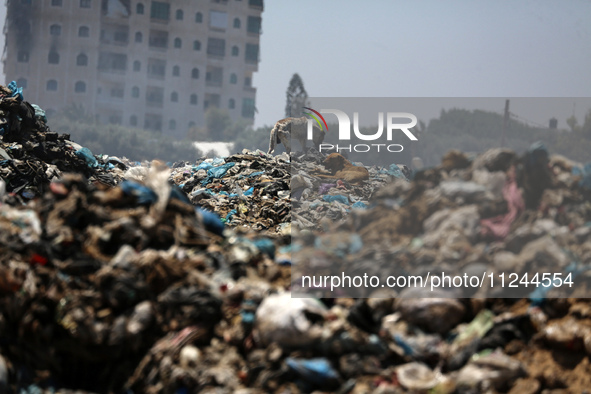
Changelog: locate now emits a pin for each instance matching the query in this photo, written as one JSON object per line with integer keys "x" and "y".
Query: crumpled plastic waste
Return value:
{"x": 289, "y": 322}
{"x": 217, "y": 172}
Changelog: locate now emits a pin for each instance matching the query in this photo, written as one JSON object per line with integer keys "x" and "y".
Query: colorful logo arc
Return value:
{"x": 316, "y": 119}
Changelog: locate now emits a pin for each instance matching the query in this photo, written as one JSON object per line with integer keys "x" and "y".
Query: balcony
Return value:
{"x": 256, "y": 4}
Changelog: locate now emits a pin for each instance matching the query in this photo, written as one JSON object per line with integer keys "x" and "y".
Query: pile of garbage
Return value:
{"x": 32, "y": 155}
{"x": 254, "y": 189}
{"x": 249, "y": 189}
{"x": 501, "y": 214}
{"x": 316, "y": 199}
{"x": 180, "y": 279}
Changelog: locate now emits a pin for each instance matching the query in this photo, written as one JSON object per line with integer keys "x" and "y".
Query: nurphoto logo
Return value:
{"x": 344, "y": 123}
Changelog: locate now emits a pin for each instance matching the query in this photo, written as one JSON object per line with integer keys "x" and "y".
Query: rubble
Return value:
{"x": 117, "y": 277}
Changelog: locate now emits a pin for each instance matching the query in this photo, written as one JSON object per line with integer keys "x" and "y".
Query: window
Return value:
{"x": 112, "y": 62}
{"x": 55, "y": 30}
{"x": 253, "y": 25}
{"x": 22, "y": 82}
{"x": 83, "y": 31}
{"x": 195, "y": 73}
{"x": 138, "y": 37}
{"x": 115, "y": 119}
{"x": 172, "y": 124}
{"x": 255, "y": 3}
{"x": 135, "y": 92}
{"x": 22, "y": 57}
{"x": 80, "y": 87}
{"x": 235, "y": 50}
{"x": 51, "y": 85}
{"x": 137, "y": 66}
{"x": 120, "y": 36}
{"x": 177, "y": 42}
{"x": 236, "y": 23}
{"x": 53, "y": 58}
{"x": 153, "y": 122}
{"x": 158, "y": 39}
{"x": 84, "y": 3}
{"x": 211, "y": 100}
{"x": 82, "y": 60}
{"x": 214, "y": 76}
{"x": 160, "y": 10}
{"x": 233, "y": 79}
{"x": 179, "y": 15}
{"x": 176, "y": 71}
{"x": 218, "y": 20}
{"x": 231, "y": 104}
{"x": 56, "y": 3}
{"x": 252, "y": 53}
{"x": 196, "y": 45}
{"x": 193, "y": 99}
{"x": 133, "y": 120}
{"x": 174, "y": 97}
{"x": 216, "y": 47}
{"x": 154, "y": 96}
{"x": 247, "y": 82}
{"x": 248, "y": 108}
{"x": 156, "y": 68}
{"x": 117, "y": 92}
{"x": 198, "y": 17}
{"x": 139, "y": 9}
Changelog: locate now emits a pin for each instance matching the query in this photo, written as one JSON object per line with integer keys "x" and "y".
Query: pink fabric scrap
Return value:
{"x": 499, "y": 226}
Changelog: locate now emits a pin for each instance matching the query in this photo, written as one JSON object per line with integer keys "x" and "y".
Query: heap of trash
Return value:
{"x": 32, "y": 155}
{"x": 119, "y": 277}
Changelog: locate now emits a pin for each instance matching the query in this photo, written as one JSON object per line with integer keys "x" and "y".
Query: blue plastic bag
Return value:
{"x": 217, "y": 172}
{"x": 177, "y": 193}
{"x": 359, "y": 205}
{"x": 39, "y": 113}
{"x": 339, "y": 197}
{"x": 395, "y": 171}
{"x": 211, "y": 221}
{"x": 143, "y": 194}
{"x": 15, "y": 90}
{"x": 231, "y": 214}
{"x": 266, "y": 246}
{"x": 203, "y": 166}
{"x": 86, "y": 154}
{"x": 317, "y": 371}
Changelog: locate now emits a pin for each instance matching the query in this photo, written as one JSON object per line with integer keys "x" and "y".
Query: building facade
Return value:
{"x": 157, "y": 65}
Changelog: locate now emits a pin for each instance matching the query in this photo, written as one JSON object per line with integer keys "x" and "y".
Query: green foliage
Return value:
{"x": 217, "y": 121}
{"x": 477, "y": 131}
{"x": 219, "y": 127}
{"x": 135, "y": 144}
{"x": 297, "y": 97}
{"x": 253, "y": 139}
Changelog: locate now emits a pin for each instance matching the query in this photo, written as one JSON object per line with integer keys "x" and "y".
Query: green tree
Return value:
{"x": 217, "y": 121}
{"x": 114, "y": 140}
{"x": 297, "y": 97}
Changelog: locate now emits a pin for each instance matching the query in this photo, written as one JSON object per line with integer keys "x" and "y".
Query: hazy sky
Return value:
{"x": 424, "y": 48}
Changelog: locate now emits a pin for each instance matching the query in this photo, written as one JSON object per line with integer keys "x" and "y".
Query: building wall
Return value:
{"x": 109, "y": 85}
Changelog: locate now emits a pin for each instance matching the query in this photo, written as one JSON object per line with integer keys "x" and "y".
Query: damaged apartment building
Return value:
{"x": 157, "y": 65}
